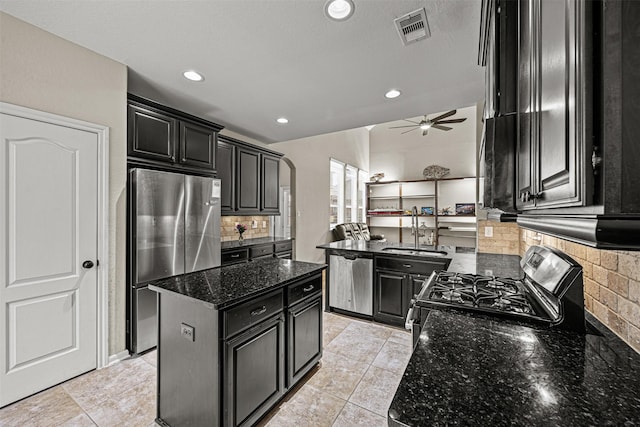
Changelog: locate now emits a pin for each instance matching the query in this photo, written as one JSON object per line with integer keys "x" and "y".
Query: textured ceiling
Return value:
{"x": 263, "y": 59}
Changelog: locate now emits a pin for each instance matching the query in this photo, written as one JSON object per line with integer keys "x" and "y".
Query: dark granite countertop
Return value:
{"x": 225, "y": 286}
{"x": 463, "y": 260}
{"x": 246, "y": 243}
{"x": 470, "y": 369}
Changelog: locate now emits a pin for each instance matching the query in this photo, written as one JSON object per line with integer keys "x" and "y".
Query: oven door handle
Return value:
{"x": 408, "y": 323}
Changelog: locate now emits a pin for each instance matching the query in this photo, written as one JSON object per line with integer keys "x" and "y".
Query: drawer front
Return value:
{"x": 245, "y": 315}
{"x": 258, "y": 251}
{"x": 283, "y": 246}
{"x": 304, "y": 289}
{"x": 231, "y": 257}
{"x": 408, "y": 265}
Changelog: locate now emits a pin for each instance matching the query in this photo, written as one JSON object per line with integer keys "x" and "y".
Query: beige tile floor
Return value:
{"x": 353, "y": 385}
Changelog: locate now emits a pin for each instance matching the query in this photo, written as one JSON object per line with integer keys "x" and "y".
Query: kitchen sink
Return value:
{"x": 415, "y": 251}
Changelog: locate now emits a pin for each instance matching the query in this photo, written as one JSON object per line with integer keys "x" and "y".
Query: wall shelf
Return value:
{"x": 400, "y": 196}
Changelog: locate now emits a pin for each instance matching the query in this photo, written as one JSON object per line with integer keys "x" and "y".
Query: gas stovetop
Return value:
{"x": 550, "y": 291}
{"x": 482, "y": 293}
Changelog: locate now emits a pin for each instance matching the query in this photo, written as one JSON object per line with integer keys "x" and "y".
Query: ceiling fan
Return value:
{"x": 435, "y": 123}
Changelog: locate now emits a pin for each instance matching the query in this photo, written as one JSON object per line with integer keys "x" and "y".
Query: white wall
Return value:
{"x": 403, "y": 157}
{"x": 44, "y": 72}
{"x": 311, "y": 158}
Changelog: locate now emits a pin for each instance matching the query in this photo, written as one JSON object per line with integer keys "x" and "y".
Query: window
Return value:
{"x": 336, "y": 194}
{"x": 363, "y": 177}
{"x": 346, "y": 194}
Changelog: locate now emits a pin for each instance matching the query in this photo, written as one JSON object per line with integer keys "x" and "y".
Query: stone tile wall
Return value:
{"x": 611, "y": 278}
{"x": 228, "y": 227}
{"x": 611, "y": 283}
{"x": 505, "y": 240}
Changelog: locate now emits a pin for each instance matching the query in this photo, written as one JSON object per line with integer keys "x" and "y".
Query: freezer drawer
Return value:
{"x": 351, "y": 283}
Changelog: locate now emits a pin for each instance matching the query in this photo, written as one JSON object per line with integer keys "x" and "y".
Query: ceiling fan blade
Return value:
{"x": 452, "y": 121}
{"x": 398, "y": 127}
{"x": 441, "y": 127}
{"x": 411, "y": 121}
{"x": 445, "y": 115}
{"x": 407, "y": 131}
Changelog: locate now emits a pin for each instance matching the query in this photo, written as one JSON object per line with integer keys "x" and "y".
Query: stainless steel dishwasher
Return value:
{"x": 351, "y": 282}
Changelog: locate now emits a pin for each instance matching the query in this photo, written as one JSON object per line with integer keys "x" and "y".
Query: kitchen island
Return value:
{"x": 474, "y": 369}
{"x": 233, "y": 340}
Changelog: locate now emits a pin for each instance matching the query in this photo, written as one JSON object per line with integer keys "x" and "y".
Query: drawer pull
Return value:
{"x": 308, "y": 289}
{"x": 259, "y": 311}
{"x": 407, "y": 265}
{"x": 235, "y": 256}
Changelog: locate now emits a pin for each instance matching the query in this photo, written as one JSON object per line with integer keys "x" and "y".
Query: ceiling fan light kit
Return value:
{"x": 436, "y": 123}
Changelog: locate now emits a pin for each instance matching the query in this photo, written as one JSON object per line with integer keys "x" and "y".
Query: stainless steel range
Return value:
{"x": 549, "y": 293}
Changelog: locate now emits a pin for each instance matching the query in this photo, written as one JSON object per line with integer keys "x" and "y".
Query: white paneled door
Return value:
{"x": 48, "y": 238}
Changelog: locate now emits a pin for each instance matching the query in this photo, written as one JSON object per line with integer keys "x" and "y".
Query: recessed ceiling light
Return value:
{"x": 282, "y": 120}
{"x": 339, "y": 10}
{"x": 393, "y": 93}
{"x": 193, "y": 76}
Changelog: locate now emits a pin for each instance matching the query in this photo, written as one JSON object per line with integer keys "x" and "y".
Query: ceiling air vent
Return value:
{"x": 413, "y": 26}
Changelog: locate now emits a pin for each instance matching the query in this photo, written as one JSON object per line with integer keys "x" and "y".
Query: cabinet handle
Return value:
{"x": 259, "y": 311}
{"x": 407, "y": 265}
{"x": 308, "y": 289}
{"x": 235, "y": 256}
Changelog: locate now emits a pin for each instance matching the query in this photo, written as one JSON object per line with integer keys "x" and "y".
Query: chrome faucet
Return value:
{"x": 414, "y": 226}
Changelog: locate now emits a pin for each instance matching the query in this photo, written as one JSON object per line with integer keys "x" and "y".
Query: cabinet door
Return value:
{"x": 270, "y": 184}
{"x": 254, "y": 372}
{"x": 151, "y": 134}
{"x": 305, "y": 338}
{"x": 225, "y": 168}
{"x": 390, "y": 298}
{"x": 557, "y": 180}
{"x": 197, "y": 145}
{"x": 248, "y": 180}
{"x": 524, "y": 186}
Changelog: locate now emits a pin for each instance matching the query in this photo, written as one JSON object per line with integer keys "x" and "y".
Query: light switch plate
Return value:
{"x": 188, "y": 332}
{"x": 488, "y": 232}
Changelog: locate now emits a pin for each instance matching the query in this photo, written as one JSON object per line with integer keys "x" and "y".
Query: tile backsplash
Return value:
{"x": 611, "y": 278}
{"x": 228, "y": 227}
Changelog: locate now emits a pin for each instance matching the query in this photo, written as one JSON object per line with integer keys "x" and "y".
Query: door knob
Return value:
{"x": 87, "y": 264}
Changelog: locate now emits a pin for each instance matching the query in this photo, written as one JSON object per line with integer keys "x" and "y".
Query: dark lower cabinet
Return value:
{"x": 305, "y": 338}
{"x": 394, "y": 291}
{"x": 391, "y": 297}
{"x": 254, "y": 380}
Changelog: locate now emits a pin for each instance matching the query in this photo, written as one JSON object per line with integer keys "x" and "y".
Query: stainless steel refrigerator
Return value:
{"x": 174, "y": 228}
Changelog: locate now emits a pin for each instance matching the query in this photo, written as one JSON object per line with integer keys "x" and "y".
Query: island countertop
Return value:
{"x": 225, "y": 286}
{"x": 473, "y": 369}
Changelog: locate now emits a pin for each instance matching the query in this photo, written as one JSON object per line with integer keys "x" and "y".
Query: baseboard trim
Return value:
{"x": 118, "y": 357}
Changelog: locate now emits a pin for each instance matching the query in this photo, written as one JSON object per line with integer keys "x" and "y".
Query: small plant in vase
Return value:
{"x": 241, "y": 228}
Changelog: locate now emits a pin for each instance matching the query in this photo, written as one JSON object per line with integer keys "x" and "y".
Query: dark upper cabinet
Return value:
{"x": 151, "y": 134}
{"x": 248, "y": 186}
{"x": 499, "y": 54}
{"x": 197, "y": 145}
{"x": 250, "y": 177}
{"x": 269, "y": 184}
{"x": 226, "y": 169}
{"x": 554, "y": 104}
{"x": 159, "y": 136}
